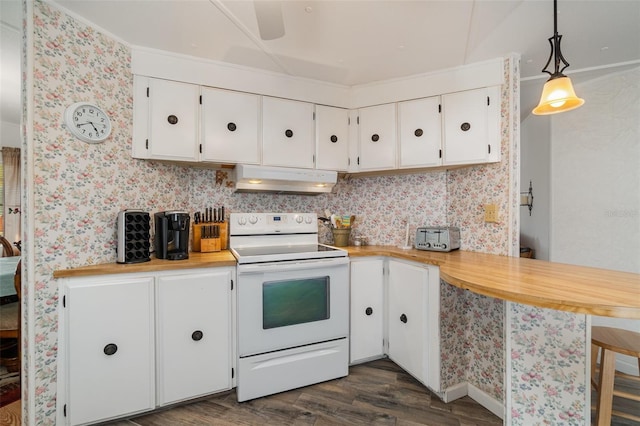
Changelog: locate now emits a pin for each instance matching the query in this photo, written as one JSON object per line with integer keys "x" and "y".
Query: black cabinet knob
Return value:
{"x": 334, "y": 138}
{"x": 403, "y": 318}
{"x": 110, "y": 349}
{"x": 368, "y": 311}
{"x": 172, "y": 119}
{"x": 418, "y": 132}
{"x": 375, "y": 137}
{"x": 232, "y": 127}
{"x": 288, "y": 133}
{"x": 465, "y": 126}
{"x": 196, "y": 335}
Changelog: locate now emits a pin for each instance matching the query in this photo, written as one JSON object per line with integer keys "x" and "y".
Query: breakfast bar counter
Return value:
{"x": 571, "y": 288}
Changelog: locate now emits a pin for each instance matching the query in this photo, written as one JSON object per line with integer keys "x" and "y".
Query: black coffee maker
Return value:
{"x": 172, "y": 235}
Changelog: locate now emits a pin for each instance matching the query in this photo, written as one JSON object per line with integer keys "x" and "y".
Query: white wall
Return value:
{"x": 535, "y": 133}
{"x": 595, "y": 181}
{"x": 9, "y": 134}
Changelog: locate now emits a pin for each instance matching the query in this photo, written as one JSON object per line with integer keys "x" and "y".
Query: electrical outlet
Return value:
{"x": 490, "y": 213}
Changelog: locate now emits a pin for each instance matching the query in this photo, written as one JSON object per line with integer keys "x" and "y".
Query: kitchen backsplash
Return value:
{"x": 77, "y": 189}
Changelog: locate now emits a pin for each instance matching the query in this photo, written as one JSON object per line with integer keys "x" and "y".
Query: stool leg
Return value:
{"x": 594, "y": 360}
{"x": 605, "y": 386}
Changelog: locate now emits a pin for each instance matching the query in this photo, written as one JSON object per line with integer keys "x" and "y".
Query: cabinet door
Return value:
{"x": 110, "y": 348}
{"x": 230, "y": 131}
{"x": 420, "y": 133}
{"x": 173, "y": 118}
{"x": 377, "y": 150}
{"x": 332, "y": 138}
{"x": 407, "y": 297}
{"x": 366, "y": 310}
{"x": 471, "y": 126}
{"x": 287, "y": 133}
{"x": 194, "y": 335}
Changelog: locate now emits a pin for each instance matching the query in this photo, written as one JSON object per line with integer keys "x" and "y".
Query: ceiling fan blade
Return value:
{"x": 269, "y": 16}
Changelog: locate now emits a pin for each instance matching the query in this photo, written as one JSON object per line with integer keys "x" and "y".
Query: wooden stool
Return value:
{"x": 612, "y": 341}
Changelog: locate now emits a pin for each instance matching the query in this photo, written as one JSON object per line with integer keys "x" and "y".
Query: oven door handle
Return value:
{"x": 291, "y": 266}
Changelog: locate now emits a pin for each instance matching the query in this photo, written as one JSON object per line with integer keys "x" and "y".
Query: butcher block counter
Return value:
{"x": 571, "y": 288}
{"x": 195, "y": 260}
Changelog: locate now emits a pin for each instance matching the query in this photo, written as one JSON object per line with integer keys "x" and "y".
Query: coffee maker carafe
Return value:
{"x": 172, "y": 235}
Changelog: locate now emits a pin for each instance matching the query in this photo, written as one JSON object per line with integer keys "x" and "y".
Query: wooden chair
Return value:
{"x": 10, "y": 343}
{"x": 7, "y": 248}
{"x": 610, "y": 341}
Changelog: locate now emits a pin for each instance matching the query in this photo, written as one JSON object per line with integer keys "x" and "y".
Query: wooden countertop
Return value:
{"x": 195, "y": 260}
{"x": 534, "y": 282}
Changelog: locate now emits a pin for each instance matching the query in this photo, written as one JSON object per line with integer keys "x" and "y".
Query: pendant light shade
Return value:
{"x": 558, "y": 94}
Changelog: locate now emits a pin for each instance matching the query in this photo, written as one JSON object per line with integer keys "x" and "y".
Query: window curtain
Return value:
{"x": 12, "y": 209}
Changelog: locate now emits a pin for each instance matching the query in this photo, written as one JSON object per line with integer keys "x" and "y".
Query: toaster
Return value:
{"x": 438, "y": 238}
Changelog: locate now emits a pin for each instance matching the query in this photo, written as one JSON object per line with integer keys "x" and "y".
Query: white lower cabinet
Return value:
{"x": 194, "y": 335}
{"x": 131, "y": 343}
{"x": 108, "y": 340}
{"x": 396, "y": 314}
{"x": 367, "y": 310}
{"x": 413, "y": 320}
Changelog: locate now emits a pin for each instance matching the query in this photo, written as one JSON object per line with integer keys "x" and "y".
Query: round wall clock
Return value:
{"x": 87, "y": 122}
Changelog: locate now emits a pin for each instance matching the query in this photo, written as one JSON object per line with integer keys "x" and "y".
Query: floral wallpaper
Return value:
{"x": 548, "y": 370}
{"x": 77, "y": 190}
{"x": 472, "y": 340}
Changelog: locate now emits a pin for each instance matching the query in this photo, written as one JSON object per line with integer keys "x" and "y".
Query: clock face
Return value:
{"x": 87, "y": 122}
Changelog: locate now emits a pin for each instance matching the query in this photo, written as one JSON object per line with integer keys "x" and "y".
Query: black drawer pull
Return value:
{"x": 196, "y": 335}
{"x": 172, "y": 119}
{"x": 403, "y": 318}
{"x": 232, "y": 127}
{"x": 368, "y": 311}
{"x": 465, "y": 126}
{"x": 418, "y": 132}
{"x": 375, "y": 137}
{"x": 288, "y": 133}
{"x": 334, "y": 138}
{"x": 110, "y": 349}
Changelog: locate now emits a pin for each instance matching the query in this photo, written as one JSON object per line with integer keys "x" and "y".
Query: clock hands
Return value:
{"x": 92, "y": 125}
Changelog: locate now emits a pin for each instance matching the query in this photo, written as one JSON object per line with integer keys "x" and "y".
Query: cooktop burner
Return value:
{"x": 281, "y": 253}
{"x": 275, "y": 237}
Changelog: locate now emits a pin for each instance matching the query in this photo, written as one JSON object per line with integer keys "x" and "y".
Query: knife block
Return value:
{"x": 197, "y": 236}
{"x": 208, "y": 245}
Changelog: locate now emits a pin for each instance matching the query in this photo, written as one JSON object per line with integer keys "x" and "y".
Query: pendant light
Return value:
{"x": 558, "y": 94}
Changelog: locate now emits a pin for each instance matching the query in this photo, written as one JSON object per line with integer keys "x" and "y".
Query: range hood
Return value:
{"x": 250, "y": 178}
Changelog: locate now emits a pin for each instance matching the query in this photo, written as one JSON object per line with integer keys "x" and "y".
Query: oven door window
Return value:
{"x": 290, "y": 302}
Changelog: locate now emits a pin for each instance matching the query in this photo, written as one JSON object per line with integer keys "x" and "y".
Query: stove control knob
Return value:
{"x": 308, "y": 220}
{"x": 242, "y": 220}
{"x": 253, "y": 220}
{"x": 299, "y": 219}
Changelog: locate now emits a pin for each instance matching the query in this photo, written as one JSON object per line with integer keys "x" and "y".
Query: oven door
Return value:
{"x": 287, "y": 304}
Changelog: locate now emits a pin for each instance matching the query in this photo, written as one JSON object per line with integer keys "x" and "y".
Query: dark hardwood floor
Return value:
{"x": 375, "y": 393}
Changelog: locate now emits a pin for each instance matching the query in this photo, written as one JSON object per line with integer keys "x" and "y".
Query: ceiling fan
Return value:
{"x": 269, "y": 17}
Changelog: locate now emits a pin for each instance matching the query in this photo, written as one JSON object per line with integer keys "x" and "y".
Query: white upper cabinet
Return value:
{"x": 377, "y": 148}
{"x": 230, "y": 127}
{"x": 173, "y": 120}
{"x": 471, "y": 126}
{"x": 287, "y": 133}
{"x": 332, "y": 138}
{"x": 419, "y": 124}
